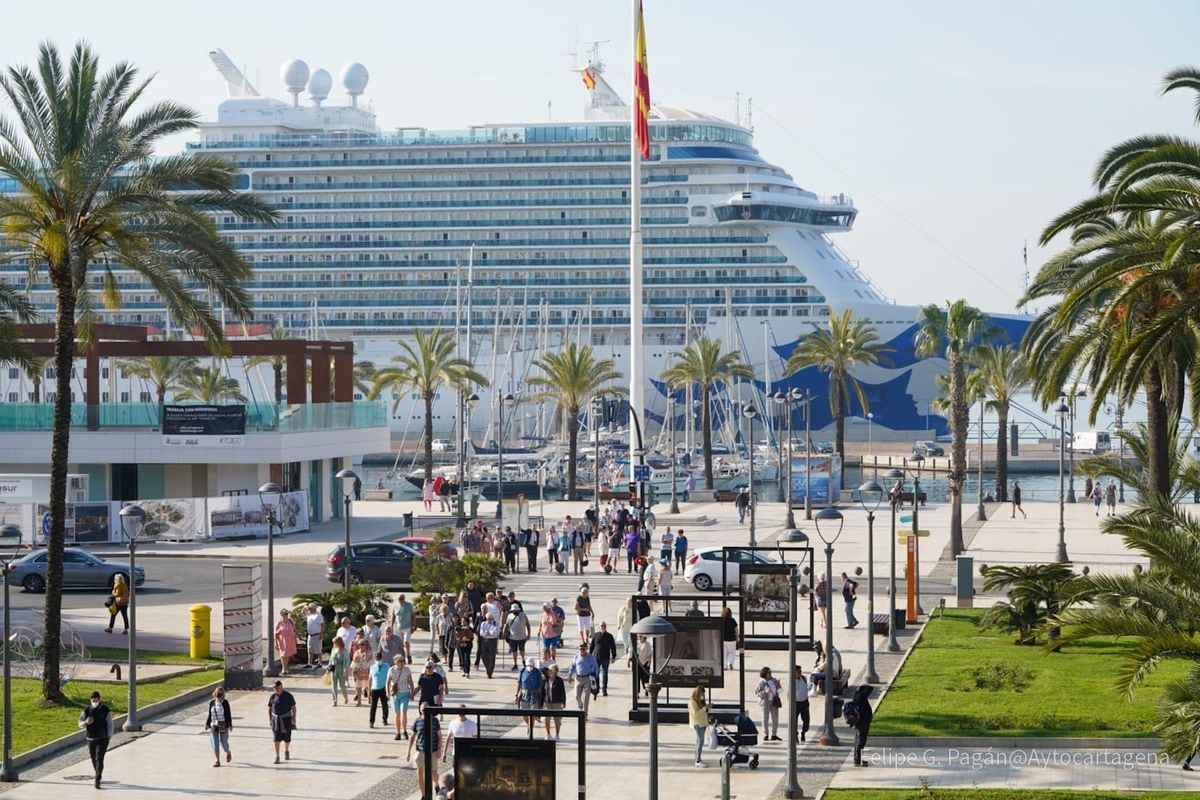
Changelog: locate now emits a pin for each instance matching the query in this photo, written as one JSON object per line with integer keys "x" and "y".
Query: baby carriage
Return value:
{"x": 743, "y": 734}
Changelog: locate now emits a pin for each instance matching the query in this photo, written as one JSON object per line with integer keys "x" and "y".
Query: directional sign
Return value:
{"x": 907, "y": 518}
{"x": 902, "y": 535}
{"x": 641, "y": 472}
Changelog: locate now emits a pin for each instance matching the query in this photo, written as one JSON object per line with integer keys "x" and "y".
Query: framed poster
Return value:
{"x": 695, "y": 656}
{"x": 503, "y": 769}
{"x": 93, "y": 522}
{"x": 764, "y": 589}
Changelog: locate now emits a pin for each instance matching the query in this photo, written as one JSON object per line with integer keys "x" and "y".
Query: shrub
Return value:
{"x": 998, "y": 676}
{"x": 437, "y": 575}
{"x": 484, "y": 570}
{"x": 356, "y": 602}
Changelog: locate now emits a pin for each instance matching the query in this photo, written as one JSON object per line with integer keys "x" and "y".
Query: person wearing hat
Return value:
{"x": 516, "y": 632}
{"x": 281, "y": 714}
{"x": 584, "y": 667}
{"x": 530, "y": 690}
{"x": 98, "y": 722}
{"x": 314, "y": 625}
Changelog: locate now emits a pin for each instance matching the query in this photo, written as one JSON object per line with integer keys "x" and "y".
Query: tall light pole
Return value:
{"x": 780, "y": 398}
{"x": 981, "y": 512}
{"x": 597, "y": 414}
{"x": 749, "y": 412}
{"x": 898, "y": 476}
{"x": 348, "y": 477}
{"x": 464, "y": 475}
{"x": 509, "y": 401}
{"x": 1061, "y": 553}
{"x": 868, "y": 492}
{"x": 919, "y": 460}
{"x": 674, "y": 457}
{"x": 870, "y": 433}
{"x": 1071, "y": 457}
{"x": 792, "y": 396}
{"x": 133, "y": 521}
{"x": 269, "y": 494}
{"x": 1121, "y": 457}
{"x": 653, "y": 627}
{"x": 793, "y": 789}
{"x": 10, "y": 546}
{"x": 831, "y": 517}
{"x": 808, "y": 454}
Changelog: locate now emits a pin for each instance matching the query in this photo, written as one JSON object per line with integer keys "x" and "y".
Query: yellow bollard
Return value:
{"x": 201, "y": 634}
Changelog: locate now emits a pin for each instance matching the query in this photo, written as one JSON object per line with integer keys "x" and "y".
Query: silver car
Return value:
{"x": 81, "y": 569}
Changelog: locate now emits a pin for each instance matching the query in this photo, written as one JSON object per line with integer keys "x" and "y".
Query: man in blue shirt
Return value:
{"x": 423, "y": 739}
{"x": 585, "y": 667}
{"x": 681, "y": 548}
{"x": 529, "y": 688}
{"x": 378, "y": 683}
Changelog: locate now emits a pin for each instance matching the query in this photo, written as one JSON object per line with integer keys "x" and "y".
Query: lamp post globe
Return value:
{"x": 133, "y": 522}
{"x": 268, "y": 495}
{"x": 829, "y": 527}
{"x": 895, "y": 477}
{"x": 870, "y": 497}
{"x": 653, "y": 627}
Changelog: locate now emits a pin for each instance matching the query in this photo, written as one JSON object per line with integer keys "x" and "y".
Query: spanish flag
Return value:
{"x": 641, "y": 102}
{"x": 589, "y": 80}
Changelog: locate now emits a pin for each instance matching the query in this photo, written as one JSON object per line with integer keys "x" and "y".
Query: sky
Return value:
{"x": 959, "y": 128}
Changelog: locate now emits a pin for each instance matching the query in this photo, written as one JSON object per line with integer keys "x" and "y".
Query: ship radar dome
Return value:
{"x": 295, "y": 75}
{"x": 319, "y": 85}
{"x": 354, "y": 78}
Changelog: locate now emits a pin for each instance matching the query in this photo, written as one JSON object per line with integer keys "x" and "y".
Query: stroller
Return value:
{"x": 743, "y": 734}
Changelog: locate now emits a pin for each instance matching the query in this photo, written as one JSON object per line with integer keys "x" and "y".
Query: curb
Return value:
{"x": 1014, "y": 742}
{"x": 146, "y": 713}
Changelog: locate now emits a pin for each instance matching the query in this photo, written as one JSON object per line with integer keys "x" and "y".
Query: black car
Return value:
{"x": 928, "y": 449}
{"x": 384, "y": 563}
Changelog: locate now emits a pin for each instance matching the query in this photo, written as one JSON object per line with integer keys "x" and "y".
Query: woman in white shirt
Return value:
{"x": 767, "y": 691}
{"x": 218, "y": 724}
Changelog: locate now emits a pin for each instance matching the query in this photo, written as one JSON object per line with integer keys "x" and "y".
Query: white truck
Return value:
{"x": 1091, "y": 442}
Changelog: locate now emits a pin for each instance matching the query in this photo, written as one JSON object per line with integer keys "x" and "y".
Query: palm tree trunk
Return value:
{"x": 428, "y": 398}
{"x": 278, "y": 368}
{"x": 1157, "y": 434}
{"x": 37, "y": 391}
{"x": 958, "y": 448}
{"x": 838, "y": 386}
{"x": 64, "y": 357}
{"x": 1002, "y": 454}
{"x": 706, "y": 431}
{"x": 573, "y": 449}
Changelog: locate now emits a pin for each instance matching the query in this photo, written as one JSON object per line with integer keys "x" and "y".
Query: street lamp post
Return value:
{"x": 348, "y": 477}
{"x": 916, "y": 578}
{"x": 793, "y": 789}
{"x": 867, "y": 492}
{"x": 653, "y": 627}
{"x": 1071, "y": 457}
{"x": 1061, "y": 553}
{"x": 981, "y": 512}
{"x": 597, "y": 412}
{"x": 808, "y": 454}
{"x": 10, "y": 545}
{"x": 829, "y": 516}
{"x": 269, "y": 494}
{"x": 1121, "y": 457}
{"x": 780, "y": 399}
{"x": 674, "y": 458}
{"x": 133, "y": 520}
{"x": 898, "y": 476}
{"x": 464, "y": 475}
{"x": 509, "y": 401}
{"x": 749, "y": 412}
{"x": 791, "y": 396}
{"x": 870, "y": 433}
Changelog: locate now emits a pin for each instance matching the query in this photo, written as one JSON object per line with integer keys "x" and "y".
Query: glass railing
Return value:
{"x": 260, "y": 417}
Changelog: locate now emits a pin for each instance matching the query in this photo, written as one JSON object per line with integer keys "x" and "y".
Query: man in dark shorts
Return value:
{"x": 281, "y": 713}
{"x": 1016, "y": 500}
{"x": 430, "y": 686}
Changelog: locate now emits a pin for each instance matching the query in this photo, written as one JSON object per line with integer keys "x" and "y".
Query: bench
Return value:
{"x": 377, "y": 494}
{"x": 907, "y": 497}
{"x": 879, "y": 624}
{"x": 840, "y": 684}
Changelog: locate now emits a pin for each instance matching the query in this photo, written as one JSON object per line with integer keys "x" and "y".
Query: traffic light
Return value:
{"x": 633, "y": 494}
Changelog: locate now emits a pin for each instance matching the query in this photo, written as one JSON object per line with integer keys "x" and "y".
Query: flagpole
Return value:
{"x": 637, "y": 402}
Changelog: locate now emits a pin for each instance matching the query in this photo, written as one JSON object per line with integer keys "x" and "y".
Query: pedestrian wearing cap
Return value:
{"x": 582, "y": 673}
{"x": 281, "y": 713}
{"x": 529, "y": 693}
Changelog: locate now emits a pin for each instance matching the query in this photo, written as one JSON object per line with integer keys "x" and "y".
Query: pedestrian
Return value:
{"x": 118, "y": 603}
{"x": 550, "y": 630}
{"x": 424, "y": 739}
{"x": 604, "y": 647}
{"x": 694, "y": 610}
{"x": 373, "y": 631}
{"x": 555, "y": 698}
{"x": 97, "y": 721}
{"x": 357, "y": 488}
{"x": 742, "y": 504}
{"x": 400, "y": 690}
{"x": 285, "y": 640}
{"x": 666, "y": 545}
{"x": 552, "y": 549}
{"x": 1016, "y": 501}
{"x": 1097, "y": 496}
{"x": 281, "y": 713}
{"x": 347, "y": 633}
{"x": 460, "y": 728}
{"x": 464, "y": 641}
{"x": 530, "y": 692}
{"x": 360, "y": 666}
{"x": 729, "y": 636}
{"x": 377, "y": 681}
{"x": 443, "y": 495}
{"x": 767, "y": 691}
{"x": 431, "y": 686}
{"x": 314, "y": 627}
{"x": 339, "y": 664}
{"x": 531, "y": 547}
{"x": 389, "y": 646}
{"x": 427, "y": 494}
{"x": 401, "y": 620}
{"x": 489, "y": 642}
{"x": 681, "y": 549}
{"x": 850, "y": 595}
{"x": 510, "y": 551}
{"x": 582, "y": 674}
{"x": 218, "y": 723}
{"x": 578, "y": 557}
{"x": 633, "y": 545}
{"x": 583, "y": 614}
{"x": 516, "y": 631}
{"x": 640, "y": 659}
{"x": 821, "y": 597}
{"x": 625, "y": 621}
{"x": 698, "y": 709}
{"x": 665, "y": 582}
{"x": 801, "y": 710}
{"x": 1087, "y": 487}
{"x": 862, "y": 710}
{"x": 1110, "y": 494}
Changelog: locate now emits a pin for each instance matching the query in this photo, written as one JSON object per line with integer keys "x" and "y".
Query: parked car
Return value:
{"x": 385, "y": 563}
{"x": 422, "y": 544}
{"x": 80, "y": 569}
{"x": 824, "y": 448}
{"x": 704, "y": 566}
{"x": 442, "y": 446}
{"x": 927, "y": 449}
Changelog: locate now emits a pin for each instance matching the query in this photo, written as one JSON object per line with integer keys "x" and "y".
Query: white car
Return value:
{"x": 442, "y": 446}
{"x": 704, "y": 566}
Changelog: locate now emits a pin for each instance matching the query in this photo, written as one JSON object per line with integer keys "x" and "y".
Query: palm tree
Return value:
{"x": 208, "y": 385}
{"x": 846, "y": 344}
{"x": 702, "y": 363}
{"x": 89, "y": 191}
{"x": 35, "y": 371}
{"x": 1002, "y": 374}
{"x": 278, "y": 363}
{"x": 953, "y": 332}
{"x": 571, "y": 376}
{"x": 14, "y": 308}
{"x": 424, "y": 365}
{"x": 163, "y": 373}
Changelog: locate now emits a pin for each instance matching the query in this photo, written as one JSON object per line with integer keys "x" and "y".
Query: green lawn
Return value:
{"x": 34, "y": 725}
{"x": 1068, "y": 694}
{"x": 999, "y": 794}
{"x": 121, "y": 654}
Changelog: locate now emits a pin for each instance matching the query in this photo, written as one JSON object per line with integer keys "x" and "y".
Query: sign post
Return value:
{"x": 911, "y": 547}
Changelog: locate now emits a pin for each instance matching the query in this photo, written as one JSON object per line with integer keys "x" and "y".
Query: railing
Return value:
{"x": 259, "y": 416}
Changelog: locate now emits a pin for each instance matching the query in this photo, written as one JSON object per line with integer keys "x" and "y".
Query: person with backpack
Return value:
{"x": 801, "y": 711}
{"x": 858, "y": 715}
{"x": 850, "y": 594}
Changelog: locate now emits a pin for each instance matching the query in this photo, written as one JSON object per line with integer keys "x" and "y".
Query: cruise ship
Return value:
{"x": 516, "y": 237}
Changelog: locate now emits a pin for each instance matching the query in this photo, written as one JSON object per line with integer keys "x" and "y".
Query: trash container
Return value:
{"x": 899, "y": 620}
{"x": 201, "y": 637}
{"x": 408, "y": 521}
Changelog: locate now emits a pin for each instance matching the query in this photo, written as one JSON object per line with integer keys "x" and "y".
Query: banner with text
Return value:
{"x": 204, "y": 426}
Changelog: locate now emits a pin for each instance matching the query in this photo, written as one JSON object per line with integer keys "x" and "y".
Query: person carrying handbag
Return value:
{"x": 767, "y": 691}
{"x": 218, "y": 723}
{"x": 118, "y": 603}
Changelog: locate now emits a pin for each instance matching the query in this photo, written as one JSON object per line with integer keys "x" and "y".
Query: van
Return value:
{"x": 1091, "y": 442}
{"x": 443, "y": 446}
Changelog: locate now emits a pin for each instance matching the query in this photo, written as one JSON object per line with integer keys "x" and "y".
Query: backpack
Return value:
{"x": 851, "y": 713}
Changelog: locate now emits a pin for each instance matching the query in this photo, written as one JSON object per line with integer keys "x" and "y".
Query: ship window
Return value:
{"x": 699, "y": 211}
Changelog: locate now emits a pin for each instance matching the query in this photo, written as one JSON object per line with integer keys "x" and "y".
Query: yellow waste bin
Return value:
{"x": 201, "y": 632}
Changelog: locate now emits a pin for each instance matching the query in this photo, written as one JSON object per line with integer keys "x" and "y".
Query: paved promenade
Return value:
{"x": 337, "y": 755}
